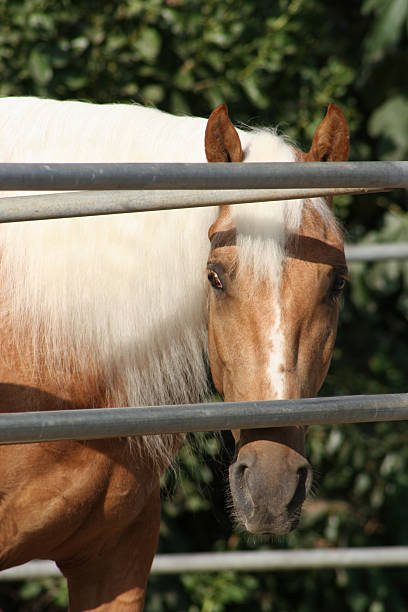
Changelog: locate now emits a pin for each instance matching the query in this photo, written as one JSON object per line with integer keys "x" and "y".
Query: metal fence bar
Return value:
{"x": 113, "y": 422}
{"x": 33, "y": 570}
{"x": 244, "y": 561}
{"x": 277, "y": 175}
{"x": 257, "y": 561}
{"x": 90, "y": 203}
{"x": 376, "y": 252}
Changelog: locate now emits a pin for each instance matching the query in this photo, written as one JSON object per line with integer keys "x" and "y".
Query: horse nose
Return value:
{"x": 240, "y": 474}
{"x": 304, "y": 478}
{"x": 268, "y": 487}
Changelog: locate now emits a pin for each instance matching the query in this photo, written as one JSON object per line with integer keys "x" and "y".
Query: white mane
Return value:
{"x": 132, "y": 287}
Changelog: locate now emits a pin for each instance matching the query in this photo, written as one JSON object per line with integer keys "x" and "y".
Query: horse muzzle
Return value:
{"x": 269, "y": 483}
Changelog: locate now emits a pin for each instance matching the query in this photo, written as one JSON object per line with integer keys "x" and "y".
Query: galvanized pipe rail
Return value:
{"x": 91, "y": 203}
{"x": 97, "y": 423}
{"x": 276, "y": 175}
{"x": 376, "y": 252}
{"x": 245, "y": 561}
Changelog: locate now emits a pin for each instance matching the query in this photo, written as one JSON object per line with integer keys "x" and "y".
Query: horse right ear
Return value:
{"x": 222, "y": 143}
{"x": 331, "y": 139}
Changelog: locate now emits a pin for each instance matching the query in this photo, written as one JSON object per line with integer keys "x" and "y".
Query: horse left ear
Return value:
{"x": 222, "y": 143}
{"x": 223, "y": 231}
{"x": 331, "y": 139}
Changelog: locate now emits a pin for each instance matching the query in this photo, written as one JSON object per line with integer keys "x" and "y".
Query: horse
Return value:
{"x": 130, "y": 310}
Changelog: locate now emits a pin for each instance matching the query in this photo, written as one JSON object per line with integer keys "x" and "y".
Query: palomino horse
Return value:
{"x": 121, "y": 310}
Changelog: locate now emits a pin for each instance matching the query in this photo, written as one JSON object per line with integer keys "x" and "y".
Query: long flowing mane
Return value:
{"x": 120, "y": 301}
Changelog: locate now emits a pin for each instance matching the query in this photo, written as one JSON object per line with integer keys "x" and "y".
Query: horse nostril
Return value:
{"x": 300, "y": 492}
{"x": 239, "y": 476}
{"x": 241, "y": 467}
{"x": 239, "y": 471}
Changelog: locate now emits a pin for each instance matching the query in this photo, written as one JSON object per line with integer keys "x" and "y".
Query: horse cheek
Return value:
{"x": 214, "y": 357}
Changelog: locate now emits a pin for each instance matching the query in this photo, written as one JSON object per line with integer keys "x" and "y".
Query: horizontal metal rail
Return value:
{"x": 245, "y": 561}
{"x": 277, "y": 175}
{"x": 91, "y": 203}
{"x": 117, "y": 422}
{"x": 376, "y": 252}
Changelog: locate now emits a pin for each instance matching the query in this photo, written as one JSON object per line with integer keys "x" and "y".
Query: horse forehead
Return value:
{"x": 318, "y": 239}
{"x": 266, "y": 238}
{"x": 265, "y": 145}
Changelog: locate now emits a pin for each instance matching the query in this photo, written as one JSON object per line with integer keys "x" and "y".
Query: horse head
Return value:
{"x": 272, "y": 326}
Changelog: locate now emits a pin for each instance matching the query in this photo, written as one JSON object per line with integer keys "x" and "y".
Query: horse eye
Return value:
{"x": 215, "y": 280}
{"x": 338, "y": 284}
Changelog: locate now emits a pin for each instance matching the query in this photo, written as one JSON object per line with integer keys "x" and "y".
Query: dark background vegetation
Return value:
{"x": 278, "y": 62}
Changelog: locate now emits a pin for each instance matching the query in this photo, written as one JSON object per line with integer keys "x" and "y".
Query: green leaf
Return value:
{"x": 76, "y": 81}
{"x": 153, "y": 94}
{"x": 148, "y": 44}
{"x": 254, "y": 92}
{"x": 392, "y": 17}
{"x": 40, "y": 66}
{"x": 390, "y": 121}
{"x": 30, "y": 589}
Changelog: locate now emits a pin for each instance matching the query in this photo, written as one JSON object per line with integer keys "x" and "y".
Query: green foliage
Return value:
{"x": 390, "y": 121}
{"x": 212, "y": 592}
{"x": 45, "y": 595}
{"x": 52, "y": 592}
{"x": 276, "y": 63}
{"x": 389, "y": 25}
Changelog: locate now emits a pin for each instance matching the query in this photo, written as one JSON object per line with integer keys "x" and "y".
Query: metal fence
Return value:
{"x": 277, "y": 175}
{"x": 110, "y": 422}
{"x": 314, "y": 180}
{"x": 245, "y": 561}
{"x": 91, "y": 203}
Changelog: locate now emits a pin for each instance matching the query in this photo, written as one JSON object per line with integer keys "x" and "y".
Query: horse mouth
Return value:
{"x": 258, "y": 520}
{"x": 276, "y": 525}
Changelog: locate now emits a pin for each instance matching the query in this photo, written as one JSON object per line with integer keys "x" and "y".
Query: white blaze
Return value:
{"x": 276, "y": 371}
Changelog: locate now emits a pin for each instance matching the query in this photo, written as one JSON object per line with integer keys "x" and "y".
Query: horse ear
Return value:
{"x": 331, "y": 139}
{"x": 222, "y": 143}
{"x": 223, "y": 231}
